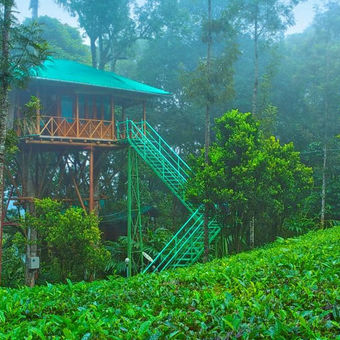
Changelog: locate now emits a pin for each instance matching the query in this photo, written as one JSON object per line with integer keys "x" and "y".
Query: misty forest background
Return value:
{"x": 241, "y": 60}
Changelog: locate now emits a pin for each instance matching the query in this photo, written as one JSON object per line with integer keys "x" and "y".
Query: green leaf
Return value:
{"x": 144, "y": 327}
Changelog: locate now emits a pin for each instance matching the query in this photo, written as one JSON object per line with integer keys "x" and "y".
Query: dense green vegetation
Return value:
{"x": 65, "y": 41}
{"x": 69, "y": 241}
{"x": 289, "y": 290}
{"x": 250, "y": 176}
{"x": 276, "y": 175}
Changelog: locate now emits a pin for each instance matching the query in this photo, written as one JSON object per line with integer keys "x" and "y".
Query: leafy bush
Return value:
{"x": 13, "y": 266}
{"x": 257, "y": 178}
{"x": 289, "y": 290}
{"x": 69, "y": 241}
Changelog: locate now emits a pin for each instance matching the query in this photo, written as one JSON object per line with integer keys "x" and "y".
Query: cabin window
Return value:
{"x": 98, "y": 110}
{"x": 81, "y": 106}
{"x": 90, "y": 105}
{"x": 107, "y": 108}
{"x": 67, "y": 107}
{"x": 102, "y": 109}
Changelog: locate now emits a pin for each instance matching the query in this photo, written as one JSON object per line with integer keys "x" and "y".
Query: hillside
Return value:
{"x": 289, "y": 290}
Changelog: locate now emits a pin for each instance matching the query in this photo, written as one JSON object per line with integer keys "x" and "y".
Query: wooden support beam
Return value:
{"x": 113, "y": 118}
{"x": 38, "y": 116}
{"x": 31, "y": 199}
{"x": 94, "y": 108}
{"x": 77, "y": 115}
{"x": 123, "y": 114}
{"x": 91, "y": 203}
{"x": 102, "y": 109}
{"x": 78, "y": 194}
{"x": 86, "y": 107}
{"x": 84, "y": 144}
{"x": 58, "y": 105}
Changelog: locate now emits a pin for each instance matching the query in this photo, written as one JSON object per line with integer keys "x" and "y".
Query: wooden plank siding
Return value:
{"x": 75, "y": 114}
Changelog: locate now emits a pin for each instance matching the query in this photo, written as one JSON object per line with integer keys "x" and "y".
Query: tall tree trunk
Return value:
{"x": 101, "y": 53}
{"x": 4, "y": 105}
{"x": 31, "y": 247}
{"x": 113, "y": 65}
{"x": 256, "y": 68}
{"x": 207, "y": 136}
{"x": 94, "y": 52}
{"x": 254, "y": 108}
{"x": 34, "y": 5}
{"x": 252, "y": 232}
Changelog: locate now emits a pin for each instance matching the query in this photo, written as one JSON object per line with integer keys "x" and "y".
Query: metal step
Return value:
{"x": 186, "y": 246}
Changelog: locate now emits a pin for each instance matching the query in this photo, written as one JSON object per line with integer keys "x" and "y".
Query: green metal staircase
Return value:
{"x": 187, "y": 245}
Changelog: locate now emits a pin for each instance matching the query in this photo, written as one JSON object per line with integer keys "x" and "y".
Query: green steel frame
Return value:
{"x": 129, "y": 209}
{"x": 187, "y": 245}
{"x": 134, "y": 227}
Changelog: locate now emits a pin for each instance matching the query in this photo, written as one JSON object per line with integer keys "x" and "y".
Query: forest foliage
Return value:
{"x": 279, "y": 165}
{"x": 249, "y": 176}
{"x": 70, "y": 242}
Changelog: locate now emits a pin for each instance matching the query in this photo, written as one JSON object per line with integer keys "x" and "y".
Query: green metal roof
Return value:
{"x": 67, "y": 71}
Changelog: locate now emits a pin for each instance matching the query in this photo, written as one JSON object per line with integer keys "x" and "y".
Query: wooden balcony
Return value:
{"x": 53, "y": 129}
{"x": 76, "y": 128}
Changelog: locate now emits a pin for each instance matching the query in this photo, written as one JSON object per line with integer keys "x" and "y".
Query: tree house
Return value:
{"x": 79, "y": 111}
{"x": 80, "y": 107}
{"x": 85, "y": 109}
{"x": 79, "y": 104}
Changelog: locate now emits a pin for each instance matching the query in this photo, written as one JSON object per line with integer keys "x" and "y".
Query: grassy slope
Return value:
{"x": 289, "y": 290}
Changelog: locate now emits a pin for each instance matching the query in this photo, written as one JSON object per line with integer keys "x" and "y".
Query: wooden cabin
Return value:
{"x": 79, "y": 104}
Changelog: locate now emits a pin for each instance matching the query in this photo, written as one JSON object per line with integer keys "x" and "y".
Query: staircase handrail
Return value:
{"x": 171, "y": 240}
{"x": 181, "y": 242}
{"x": 170, "y": 161}
{"x": 146, "y": 130}
{"x": 187, "y": 244}
{"x": 196, "y": 236}
{"x": 180, "y": 161}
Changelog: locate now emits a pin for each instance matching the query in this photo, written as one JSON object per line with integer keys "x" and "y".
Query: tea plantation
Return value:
{"x": 289, "y": 290}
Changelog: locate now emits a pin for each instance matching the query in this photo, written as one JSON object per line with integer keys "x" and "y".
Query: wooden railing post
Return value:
{"x": 76, "y": 127}
{"x": 38, "y": 116}
{"x": 77, "y": 115}
{"x": 112, "y": 106}
{"x": 91, "y": 198}
{"x": 52, "y": 125}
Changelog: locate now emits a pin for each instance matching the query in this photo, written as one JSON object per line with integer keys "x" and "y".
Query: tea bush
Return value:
{"x": 288, "y": 290}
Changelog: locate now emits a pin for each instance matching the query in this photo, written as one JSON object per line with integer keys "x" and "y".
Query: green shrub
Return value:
{"x": 69, "y": 241}
{"x": 288, "y": 290}
{"x": 13, "y": 264}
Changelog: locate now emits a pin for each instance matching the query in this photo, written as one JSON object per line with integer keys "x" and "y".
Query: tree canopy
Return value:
{"x": 252, "y": 176}
{"x": 65, "y": 42}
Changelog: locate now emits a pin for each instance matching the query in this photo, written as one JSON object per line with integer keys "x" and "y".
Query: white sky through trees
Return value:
{"x": 304, "y": 13}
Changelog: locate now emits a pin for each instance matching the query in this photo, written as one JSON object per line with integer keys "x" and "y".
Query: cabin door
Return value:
{"x": 68, "y": 123}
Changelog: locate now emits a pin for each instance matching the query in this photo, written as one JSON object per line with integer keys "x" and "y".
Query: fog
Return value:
{"x": 304, "y": 13}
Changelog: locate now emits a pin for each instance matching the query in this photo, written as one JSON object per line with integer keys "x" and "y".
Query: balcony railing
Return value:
{"x": 81, "y": 128}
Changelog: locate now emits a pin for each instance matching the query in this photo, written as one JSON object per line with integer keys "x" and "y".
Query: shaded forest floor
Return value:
{"x": 289, "y": 289}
